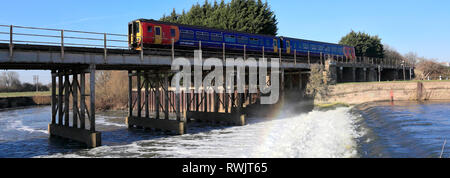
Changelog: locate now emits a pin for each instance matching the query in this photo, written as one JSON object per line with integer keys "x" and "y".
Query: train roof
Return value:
{"x": 229, "y": 31}
{"x": 313, "y": 41}
{"x": 204, "y": 28}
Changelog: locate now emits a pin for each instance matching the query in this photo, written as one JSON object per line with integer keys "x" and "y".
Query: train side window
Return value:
{"x": 268, "y": 42}
{"x": 254, "y": 41}
{"x": 242, "y": 40}
{"x": 136, "y": 27}
{"x": 172, "y": 32}
{"x": 150, "y": 29}
{"x": 216, "y": 37}
{"x": 305, "y": 46}
{"x": 261, "y": 42}
{"x": 202, "y": 35}
{"x": 187, "y": 34}
{"x": 230, "y": 39}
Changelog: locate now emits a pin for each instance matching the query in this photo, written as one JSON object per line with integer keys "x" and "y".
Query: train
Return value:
{"x": 152, "y": 33}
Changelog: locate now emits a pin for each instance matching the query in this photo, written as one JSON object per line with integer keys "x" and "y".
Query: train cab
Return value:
{"x": 145, "y": 33}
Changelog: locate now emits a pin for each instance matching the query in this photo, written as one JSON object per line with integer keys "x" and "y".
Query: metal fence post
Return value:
{"x": 245, "y": 52}
{"x": 309, "y": 58}
{"x": 62, "y": 44}
{"x": 11, "y": 43}
{"x": 104, "y": 46}
{"x": 173, "y": 49}
{"x": 279, "y": 52}
{"x": 263, "y": 52}
{"x": 295, "y": 57}
{"x": 142, "y": 48}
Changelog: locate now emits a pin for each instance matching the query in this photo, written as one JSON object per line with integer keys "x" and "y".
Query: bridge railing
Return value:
{"x": 12, "y": 34}
{"x": 384, "y": 62}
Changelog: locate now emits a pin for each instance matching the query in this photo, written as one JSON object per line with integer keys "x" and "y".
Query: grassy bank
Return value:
{"x": 19, "y": 94}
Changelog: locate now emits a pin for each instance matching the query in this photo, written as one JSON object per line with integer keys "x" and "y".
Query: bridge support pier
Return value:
{"x": 61, "y": 125}
{"x": 157, "y": 98}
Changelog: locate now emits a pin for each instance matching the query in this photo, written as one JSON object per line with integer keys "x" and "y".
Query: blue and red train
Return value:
{"x": 143, "y": 32}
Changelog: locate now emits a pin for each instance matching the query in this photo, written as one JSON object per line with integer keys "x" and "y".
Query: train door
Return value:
{"x": 158, "y": 35}
{"x": 288, "y": 46}
{"x": 275, "y": 45}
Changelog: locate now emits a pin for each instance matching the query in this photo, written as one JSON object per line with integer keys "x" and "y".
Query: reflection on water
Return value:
{"x": 402, "y": 129}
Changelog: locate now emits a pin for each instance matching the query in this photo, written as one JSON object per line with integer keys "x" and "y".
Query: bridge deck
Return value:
{"x": 50, "y": 57}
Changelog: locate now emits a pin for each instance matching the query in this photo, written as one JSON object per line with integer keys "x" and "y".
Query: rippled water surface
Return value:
{"x": 405, "y": 129}
{"x": 375, "y": 130}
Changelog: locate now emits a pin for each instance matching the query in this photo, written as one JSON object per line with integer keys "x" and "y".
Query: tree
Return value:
{"x": 392, "y": 54}
{"x": 318, "y": 82}
{"x": 10, "y": 80}
{"x": 411, "y": 57}
{"x": 238, "y": 15}
{"x": 111, "y": 93}
{"x": 365, "y": 45}
{"x": 429, "y": 68}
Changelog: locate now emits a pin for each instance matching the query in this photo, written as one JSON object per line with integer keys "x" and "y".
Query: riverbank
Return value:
{"x": 22, "y": 101}
{"x": 31, "y": 93}
{"x": 358, "y": 93}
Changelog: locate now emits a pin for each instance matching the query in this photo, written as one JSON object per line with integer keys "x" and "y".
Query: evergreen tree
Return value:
{"x": 239, "y": 15}
{"x": 365, "y": 45}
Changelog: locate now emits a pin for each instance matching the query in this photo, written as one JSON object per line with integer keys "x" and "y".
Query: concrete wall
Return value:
{"x": 368, "y": 92}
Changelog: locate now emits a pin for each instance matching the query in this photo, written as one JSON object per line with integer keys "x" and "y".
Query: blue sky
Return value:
{"x": 406, "y": 25}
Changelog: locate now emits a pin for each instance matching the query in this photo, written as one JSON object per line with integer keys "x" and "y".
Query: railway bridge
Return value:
{"x": 73, "y": 57}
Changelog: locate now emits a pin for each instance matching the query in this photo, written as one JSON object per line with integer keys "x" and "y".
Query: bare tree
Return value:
{"x": 9, "y": 80}
{"x": 2, "y": 80}
{"x": 318, "y": 82}
{"x": 412, "y": 57}
{"x": 430, "y": 68}
{"x": 392, "y": 53}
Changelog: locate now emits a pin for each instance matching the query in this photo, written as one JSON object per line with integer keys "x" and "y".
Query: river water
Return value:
{"x": 400, "y": 129}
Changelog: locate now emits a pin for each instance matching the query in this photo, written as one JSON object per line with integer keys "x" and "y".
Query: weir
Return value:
{"x": 152, "y": 102}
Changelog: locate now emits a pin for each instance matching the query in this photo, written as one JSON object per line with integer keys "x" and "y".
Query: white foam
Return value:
{"x": 316, "y": 134}
{"x": 18, "y": 125}
{"x": 31, "y": 130}
{"x": 103, "y": 121}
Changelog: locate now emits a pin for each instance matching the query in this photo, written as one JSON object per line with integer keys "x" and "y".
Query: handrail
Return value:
{"x": 107, "y": 38}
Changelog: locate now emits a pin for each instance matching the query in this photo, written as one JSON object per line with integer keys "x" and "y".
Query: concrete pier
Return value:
{"x": 234, "y": 118}
{"x": 91, "y": 139}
